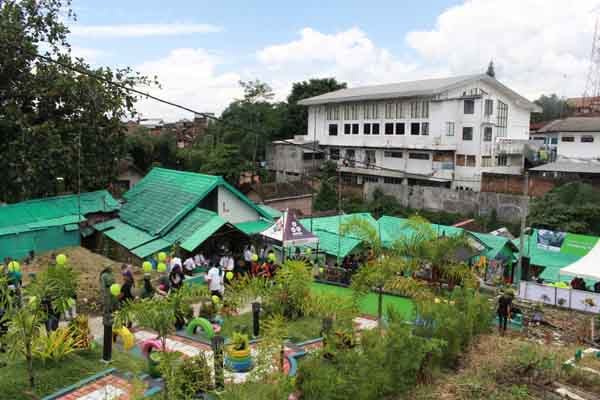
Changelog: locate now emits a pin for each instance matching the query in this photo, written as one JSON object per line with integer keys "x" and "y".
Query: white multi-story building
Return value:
{"x": 442, "y": 132}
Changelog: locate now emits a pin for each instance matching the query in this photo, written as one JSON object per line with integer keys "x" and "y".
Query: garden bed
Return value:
{"x": 299, "y": 330}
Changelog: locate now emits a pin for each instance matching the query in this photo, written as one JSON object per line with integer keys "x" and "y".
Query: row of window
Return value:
{"x": 469, "y": 106}
{"x": 391, "y": 110}
{"x": 398, "y": 128}
{"x": 334, "y": 154}
{"x": 582, "y": 139}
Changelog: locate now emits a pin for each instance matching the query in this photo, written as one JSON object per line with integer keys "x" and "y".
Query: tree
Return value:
{"x": 490, "y": 69}
{"x": 553, "y": 107}
{"x": 326, "y": 199}
{"x": 572, "y": 207}
{"x": 55, "y": 122}
{"x": 296, "y": 119}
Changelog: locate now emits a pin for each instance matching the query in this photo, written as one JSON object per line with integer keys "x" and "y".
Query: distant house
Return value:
{"x": 291, "y": 160}
{"x": 285, "y": 195}
{"x": 574, "y": 137}
{"x": 174, "y": 208}
{"x": 128, "y": 176}
{"x": 51, "y": 223}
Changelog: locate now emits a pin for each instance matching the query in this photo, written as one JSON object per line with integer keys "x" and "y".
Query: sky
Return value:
{"x": 200, "y": 50}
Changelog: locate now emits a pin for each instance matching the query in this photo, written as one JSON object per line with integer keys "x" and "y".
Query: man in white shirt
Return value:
{"x": 227, "y": 263}
{"x": 248, "y": 254}
{"x": 200, "y": 261}
{"x": 189, "y": 265}
{"x": 214, "y": 278}
{"x": 174, "y": 261}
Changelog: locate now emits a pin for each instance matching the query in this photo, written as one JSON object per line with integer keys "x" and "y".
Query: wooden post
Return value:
{"x": 217, "y": 343}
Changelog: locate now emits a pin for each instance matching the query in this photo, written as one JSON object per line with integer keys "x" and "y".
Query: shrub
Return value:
{"x": 54, "y": 346}
{"x": 184, "y": 379}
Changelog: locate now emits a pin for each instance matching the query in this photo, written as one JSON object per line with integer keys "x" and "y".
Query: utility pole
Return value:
{"x": 339, "y": 182}
{"x": 524, "y": 207}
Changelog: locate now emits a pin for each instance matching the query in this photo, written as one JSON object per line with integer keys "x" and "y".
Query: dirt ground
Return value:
{"x": 88, "y": 265}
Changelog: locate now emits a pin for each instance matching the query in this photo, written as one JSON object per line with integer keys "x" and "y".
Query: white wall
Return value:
{"x": 577, "y": 149}
{"x": 233, "y": 209}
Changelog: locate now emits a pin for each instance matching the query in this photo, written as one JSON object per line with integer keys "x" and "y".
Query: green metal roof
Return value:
{"x": 253, "y": 227}
{"x": 152, "y": 247}
{"x": 494, "y": 243}
{"x": 164, "y": 197}
{"x": 393, "y": 228}
{"x": 203, "y": 233}
{"x": 125, "y": 234}
{"x": 53, "y": 211}
{"x": 333, "y": 224}
{"x": 330, "y": 243}
{"x": 272, "y": 212}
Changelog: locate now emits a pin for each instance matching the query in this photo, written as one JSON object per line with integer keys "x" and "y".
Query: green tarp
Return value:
{"x": 578, "y": 245}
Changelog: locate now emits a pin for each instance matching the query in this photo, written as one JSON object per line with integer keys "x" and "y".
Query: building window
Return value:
{"x": 392, "y": 154}
{"x": 418, "y": 156}
{"x": 366, "y": 129}
{"x": 333, "y": 113}
{"x": 587, "y": 139}
{"x": 425, "y": 129}
{"x": 419, "y": 109}
{"x": 375, "y": 129}
{"x": 399, "y": 110}
{"x": 554, "y": 140}
{"x": 471, "y": 161}
{"x": 390, "y": 110}
{"x": 486, "y": 161}
{"x": 371, "y": 111}
{"x": 487, "y": 134}
{"x": 355, "y": 129}
{"x": 334, "y": 154}
{"x": 415, "y": 128}
{"x": 502, "y": 160}
{"x": 333, "y": 129}
{"x": 400, "y": 128}
{"x": 369, "y": 178}
{"x": 469, "y": 106}
{"x": 347, "y": 129}
{"x": 449, "y": 128}
{"x": 502, "y": 119}
{"x": 567, "y": 139}
{"x": 460, "y": 160}
{"x": 489, "y": 107}
{"x": 370, "y": 158}
{"x": 392, "y": 181}
{"x": 355, "y": 111}
{"x": 349, "y": 159}
{"x": 389, "y": 128}
{"x": 467, "y": 133}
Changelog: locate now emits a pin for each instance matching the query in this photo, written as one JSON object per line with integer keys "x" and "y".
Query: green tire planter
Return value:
{"x": 238, "y": 360}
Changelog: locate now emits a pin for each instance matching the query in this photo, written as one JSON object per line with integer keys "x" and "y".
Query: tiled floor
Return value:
{"x": 110, "y": 387}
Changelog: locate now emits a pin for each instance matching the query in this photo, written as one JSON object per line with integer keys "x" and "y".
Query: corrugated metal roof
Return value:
{"x": 332, "y": 224}
{"x": 152, "y": 247}
{"x": 272, "y": 212}
{"x": 425, "y": 87}
{"x": 253, "y": 227}
{"x": 330, "y": 243}
{"x": 202, "y": 233}
{"x": 127, "y": 235}
{"x": 570, "y": 166}
{"x": 494, "y": 243}
{"x": 394, "y": 228}
{"x": 53, "y": 211}
{"x": 572, "y": 124}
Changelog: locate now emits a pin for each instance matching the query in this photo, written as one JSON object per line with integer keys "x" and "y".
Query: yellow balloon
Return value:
{"x": 229, "y": 275}
{"x": 115, "y": 289}
{"x": 14, "y": 266}
{"x": 215, "y": 299}
{"x": 161, "y": 267}
{"x": 147, "y": 267}
{"x": 162, "y": 256}
{"x": 61, "y": 259}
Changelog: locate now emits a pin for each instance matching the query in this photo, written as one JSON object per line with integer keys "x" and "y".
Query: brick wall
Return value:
{"x": 513, "y": 184}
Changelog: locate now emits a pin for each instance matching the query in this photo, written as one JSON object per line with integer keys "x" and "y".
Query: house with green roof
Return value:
{"x": 51, "y": 223}
{"x": 169, "y": 207}
{"x": 500, "y": 255}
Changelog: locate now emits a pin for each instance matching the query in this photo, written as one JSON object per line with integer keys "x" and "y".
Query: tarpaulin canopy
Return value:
{"x": 587, "y": 266}
{"x": 288, "y": 231}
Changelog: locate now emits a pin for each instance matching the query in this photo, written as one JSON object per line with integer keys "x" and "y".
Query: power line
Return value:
{"x": 206, "y": 115}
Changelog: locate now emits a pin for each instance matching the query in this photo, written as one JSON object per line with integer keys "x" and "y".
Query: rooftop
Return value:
{"x": 589, "y": 167}
{"x": 425, "y": 87}
{"x": 572, "y": 124}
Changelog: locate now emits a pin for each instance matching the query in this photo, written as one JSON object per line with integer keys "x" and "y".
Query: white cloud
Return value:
{"x": 141, "y": 30}
{"x": 348, "y": 55}
{"x": 538, "y": 46}
{"x": 188, "y": 77}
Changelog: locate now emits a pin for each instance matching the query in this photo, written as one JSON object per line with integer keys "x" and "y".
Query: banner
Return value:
{"x": 578, "y": 245}
{"x": 550, "y": 240}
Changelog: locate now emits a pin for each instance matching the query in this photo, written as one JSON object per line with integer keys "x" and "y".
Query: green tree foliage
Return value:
{"x": 49, "y": 115}
{"x": 573, "y": 207}
{"x": 553, "y": 107}
{"x": 327, "y": 198}
{"x": 297, "y": 116}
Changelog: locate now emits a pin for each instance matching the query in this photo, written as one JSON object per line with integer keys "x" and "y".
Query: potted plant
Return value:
{"x": 237, "y": 353}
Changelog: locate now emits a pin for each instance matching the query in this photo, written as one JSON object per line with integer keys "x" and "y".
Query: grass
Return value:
{"x": 368, "y": 304}
{"x": 298, "y": 330}
{"x": 52, "y": 377}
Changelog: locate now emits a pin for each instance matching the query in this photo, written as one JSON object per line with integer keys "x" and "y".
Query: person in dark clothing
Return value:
{"x": 504, "y": 309}
{"x": 147, "y": 288}
{"x": 176, "y": 277}
{"x": 127, "y": 287}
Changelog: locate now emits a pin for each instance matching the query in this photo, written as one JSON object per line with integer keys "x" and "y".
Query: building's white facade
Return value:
{"x": 438, "y": 132}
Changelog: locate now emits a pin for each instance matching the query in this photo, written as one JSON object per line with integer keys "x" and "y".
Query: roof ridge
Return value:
{"x": 177, "y": 171}
{"x": 59, "y": 197}
{"x": 464, "y": 77}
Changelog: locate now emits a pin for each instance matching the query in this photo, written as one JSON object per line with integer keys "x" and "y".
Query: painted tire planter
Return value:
{"x": 203, "y": 323}
{"x": 238, "y": 360}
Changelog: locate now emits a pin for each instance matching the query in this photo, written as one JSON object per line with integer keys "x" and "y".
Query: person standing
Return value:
{"x": 189, "y": 266}
{"x": 147, "y": 288}
{"x": 504, "y": 308}
{"x": 214, "y": 278}
{"x": 176, "y": 277}
{"x": 127, "y": 287}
